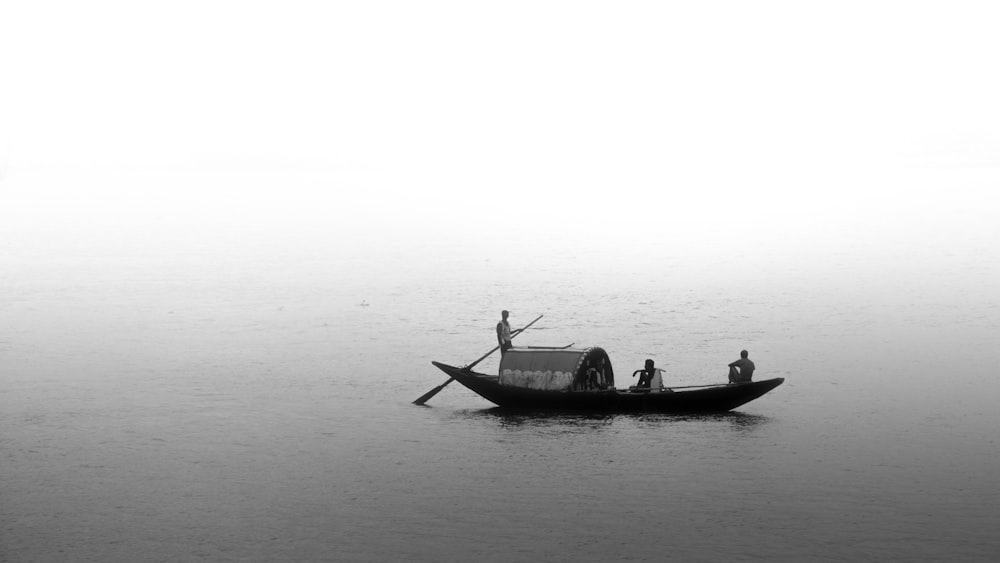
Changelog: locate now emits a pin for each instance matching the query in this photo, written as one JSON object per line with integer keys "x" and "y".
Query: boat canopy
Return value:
{"x": 556, "y": 369}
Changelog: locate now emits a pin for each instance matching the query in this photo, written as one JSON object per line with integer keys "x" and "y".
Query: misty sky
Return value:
{"x": 773, "y": 122}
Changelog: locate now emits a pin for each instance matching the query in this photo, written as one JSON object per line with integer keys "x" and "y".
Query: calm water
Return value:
{"x": 187, "y": 401}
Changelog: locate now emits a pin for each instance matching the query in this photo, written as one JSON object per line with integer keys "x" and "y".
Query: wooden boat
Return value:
{"x": 583, "y": 379}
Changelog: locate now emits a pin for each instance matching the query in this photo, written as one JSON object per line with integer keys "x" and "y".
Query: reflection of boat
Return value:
{"x": 582, "y": 379}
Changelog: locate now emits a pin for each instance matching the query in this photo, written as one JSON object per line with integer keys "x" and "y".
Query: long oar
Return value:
{"x": 427, "y": 396}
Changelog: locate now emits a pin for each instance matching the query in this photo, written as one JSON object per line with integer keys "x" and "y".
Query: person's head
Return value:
{"x": 505, "y": 314}
{"x": 744, "y": 354}
{"x": 649, "y": 365}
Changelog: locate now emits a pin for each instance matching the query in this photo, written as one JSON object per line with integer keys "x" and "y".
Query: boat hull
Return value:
{"x": 709, "y": 399}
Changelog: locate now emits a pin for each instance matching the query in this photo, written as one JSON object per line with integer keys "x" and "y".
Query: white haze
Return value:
{"x": 713, "y": 127}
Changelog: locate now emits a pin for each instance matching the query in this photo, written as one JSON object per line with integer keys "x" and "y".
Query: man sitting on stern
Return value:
{"x": 745, "y": 371}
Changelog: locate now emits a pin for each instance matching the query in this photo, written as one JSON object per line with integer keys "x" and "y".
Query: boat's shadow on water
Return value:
{"x": 515, "y": 418}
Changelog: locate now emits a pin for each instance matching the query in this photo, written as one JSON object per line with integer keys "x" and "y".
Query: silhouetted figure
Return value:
{"x": 585, "y": 378}
{"x": 645, "y": 375}
{"x": 595, "y": 378}
{"x": 503, "y": 333}
{"x": 742, "y": 369}
{"x": 598, "y": 376}
{"x": 607, "y": 375}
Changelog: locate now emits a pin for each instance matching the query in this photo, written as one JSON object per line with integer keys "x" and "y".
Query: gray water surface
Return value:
{"x": 220, "y": 406}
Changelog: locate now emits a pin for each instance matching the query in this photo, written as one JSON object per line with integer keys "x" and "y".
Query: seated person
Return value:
{"x": 607, "y": 374}
{"x": 600, "y": 375}
{"x": 645, "y": 375}
{"x": 745, "y": 371}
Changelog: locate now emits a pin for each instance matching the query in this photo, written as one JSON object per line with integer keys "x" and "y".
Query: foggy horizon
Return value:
{"x": 725, "y": 123}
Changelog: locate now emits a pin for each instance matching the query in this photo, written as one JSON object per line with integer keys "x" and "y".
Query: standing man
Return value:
{"x": 745, "y": 366}
{"x": 503, "y": 333}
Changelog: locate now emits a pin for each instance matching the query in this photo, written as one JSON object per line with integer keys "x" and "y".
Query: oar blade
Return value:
{"x": 427, "y": 396}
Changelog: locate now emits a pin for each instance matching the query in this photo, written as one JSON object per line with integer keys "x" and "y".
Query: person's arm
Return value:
{"x": 734, "y": 364}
